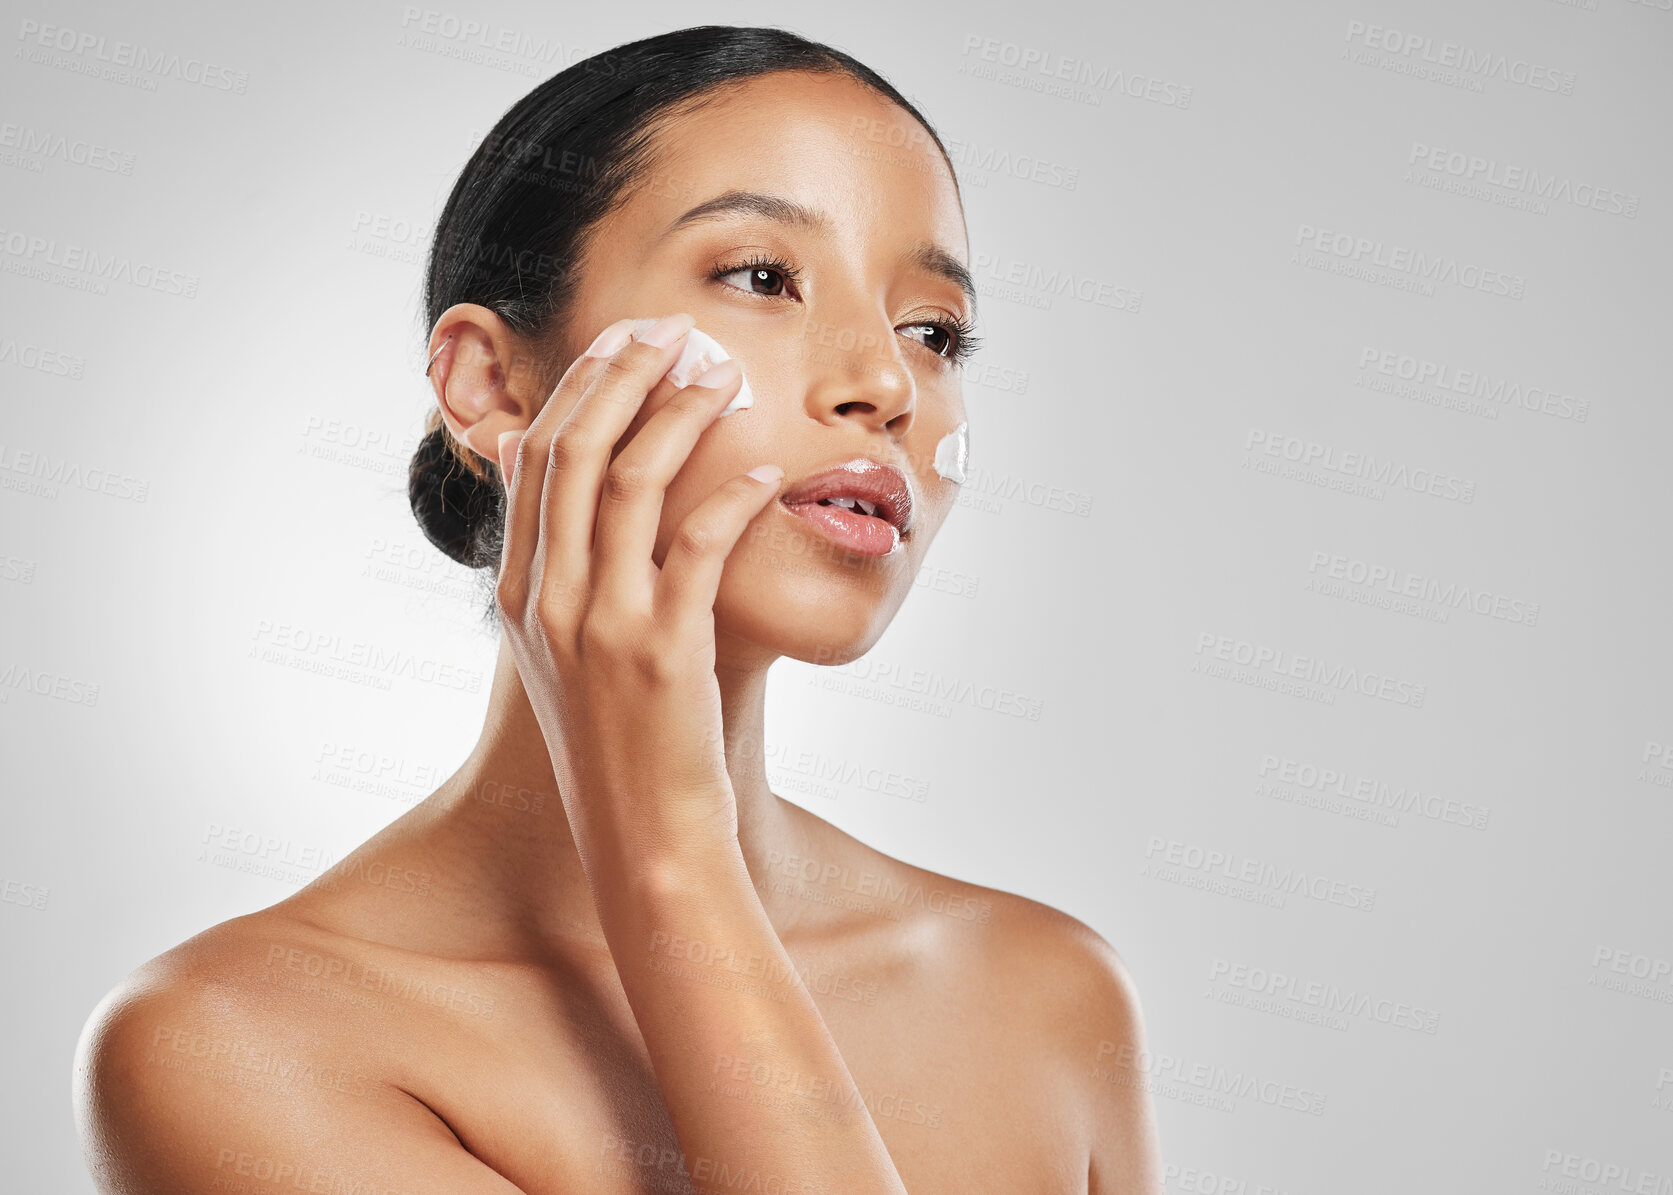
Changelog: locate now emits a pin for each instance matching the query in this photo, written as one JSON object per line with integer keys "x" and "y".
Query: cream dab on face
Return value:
{"x": 700, "y": 353}
{"x": 952, "y": 453}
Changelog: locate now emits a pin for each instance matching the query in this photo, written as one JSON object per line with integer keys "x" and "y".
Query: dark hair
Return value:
{"x": 512, "y": 235}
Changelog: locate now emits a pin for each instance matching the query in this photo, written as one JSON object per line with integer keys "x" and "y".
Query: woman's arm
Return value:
{"x": 756, "y": 1086}
{"x": 618, "y": 658}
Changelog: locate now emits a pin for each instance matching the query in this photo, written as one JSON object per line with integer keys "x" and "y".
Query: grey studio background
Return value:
{"x": 1302, "y": 627}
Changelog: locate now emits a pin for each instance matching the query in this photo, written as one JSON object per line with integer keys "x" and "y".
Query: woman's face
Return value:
{"x": 831, "y": 335}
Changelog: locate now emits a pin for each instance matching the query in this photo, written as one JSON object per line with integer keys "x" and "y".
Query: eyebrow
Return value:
{"x": 935, "y": 260}
{"x": 927, "y": 256}
{"x": 752, "y": 203}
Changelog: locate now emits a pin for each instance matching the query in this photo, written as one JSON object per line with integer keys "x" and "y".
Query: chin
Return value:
{"x": 810, "y": 607}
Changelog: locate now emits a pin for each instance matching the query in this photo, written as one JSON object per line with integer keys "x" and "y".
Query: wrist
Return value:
{"x": 622, "y": 831}
{"x": 696, "y": 892}
{"x": 662, "y": 865}
{"x": 704, "y": 876}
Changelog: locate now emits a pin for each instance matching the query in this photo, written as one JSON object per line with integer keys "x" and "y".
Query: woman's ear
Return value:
{"x": 486, "y": 378}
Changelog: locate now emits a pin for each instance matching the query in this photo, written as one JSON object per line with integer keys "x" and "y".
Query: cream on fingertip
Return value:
{"x": 700, "y": 353}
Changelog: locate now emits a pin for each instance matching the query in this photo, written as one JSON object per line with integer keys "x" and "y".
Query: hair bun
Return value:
{"x": 454, "y": 505}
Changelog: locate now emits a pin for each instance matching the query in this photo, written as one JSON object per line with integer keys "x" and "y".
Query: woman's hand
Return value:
{"x": 616, "y": 654}
{"x": 618, "y": 658}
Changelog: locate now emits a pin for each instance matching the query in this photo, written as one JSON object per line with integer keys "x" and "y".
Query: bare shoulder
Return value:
{"x": 1044, "y": 951}
{"x": 191, "y": 1076}
{"x": 1084, "y": 1016}
{"x": 1090, "y": 1019}
{"x": 132, "y": 1109}
{"x": 1054, "y": 1004}
{"x": 203, "y": 981}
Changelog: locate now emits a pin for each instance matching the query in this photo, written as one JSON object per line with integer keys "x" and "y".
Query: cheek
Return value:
{"x": 715, "y": 459}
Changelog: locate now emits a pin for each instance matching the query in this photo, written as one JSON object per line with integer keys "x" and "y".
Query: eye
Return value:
{"x": 763, "y": 280}
{"x": 764, "y": 276}
{"x": 940, "y": 339}
{"x": 952, "y": 340}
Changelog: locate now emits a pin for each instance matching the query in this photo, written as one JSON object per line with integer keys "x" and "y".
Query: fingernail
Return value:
{"x": 668, "y": 329}
{"x": 720, "y": 375}
{"x": 767, "y": 473}
{"x": 508, "y": 464}
{"x": 611, "y": 340}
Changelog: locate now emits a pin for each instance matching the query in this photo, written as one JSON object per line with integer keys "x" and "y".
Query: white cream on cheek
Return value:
{"x": 952, "y": 453}
{"x": 700, "y": 352}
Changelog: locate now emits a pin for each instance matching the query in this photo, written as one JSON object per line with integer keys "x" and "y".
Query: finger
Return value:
{"x": 691, "y": 570}
{"x": 581, "y": 447}
{"x": 505, "y": 450}
{"x": 636, "y": 484}
{"x": 525, "y": 482}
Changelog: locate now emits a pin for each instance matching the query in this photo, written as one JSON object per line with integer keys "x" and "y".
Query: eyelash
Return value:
{"x": 965, "y": 340}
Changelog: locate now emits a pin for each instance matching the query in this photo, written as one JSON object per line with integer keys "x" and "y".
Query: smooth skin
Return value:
{"x": 603, "y": 956}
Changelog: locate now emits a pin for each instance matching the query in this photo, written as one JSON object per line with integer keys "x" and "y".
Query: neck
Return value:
{"x": 503, "y": 818}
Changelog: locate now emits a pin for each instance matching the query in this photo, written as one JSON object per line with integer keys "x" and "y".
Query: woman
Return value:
{"x": 603, "y": 956}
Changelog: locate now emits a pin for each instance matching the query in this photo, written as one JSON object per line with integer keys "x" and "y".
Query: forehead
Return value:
{"x": 827, "y": 142}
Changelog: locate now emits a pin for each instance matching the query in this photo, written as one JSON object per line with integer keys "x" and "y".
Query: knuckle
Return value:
{"x": 692, "y": 402}
{"x": 620, "y": 364}
{"x": 694, "y": 540}
{"x": 625, "y": 481}
{"x": 511, "y": 593}
{"x": 564, "y": 452}
{"x": 650, "y": 661}
{"x": 619, "y": 381}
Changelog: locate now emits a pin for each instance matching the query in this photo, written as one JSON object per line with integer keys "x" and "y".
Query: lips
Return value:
{"x": 862, "y": 504}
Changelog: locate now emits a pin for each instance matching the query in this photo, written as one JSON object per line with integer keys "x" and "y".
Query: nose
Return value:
{"x": 857, "y": 373}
